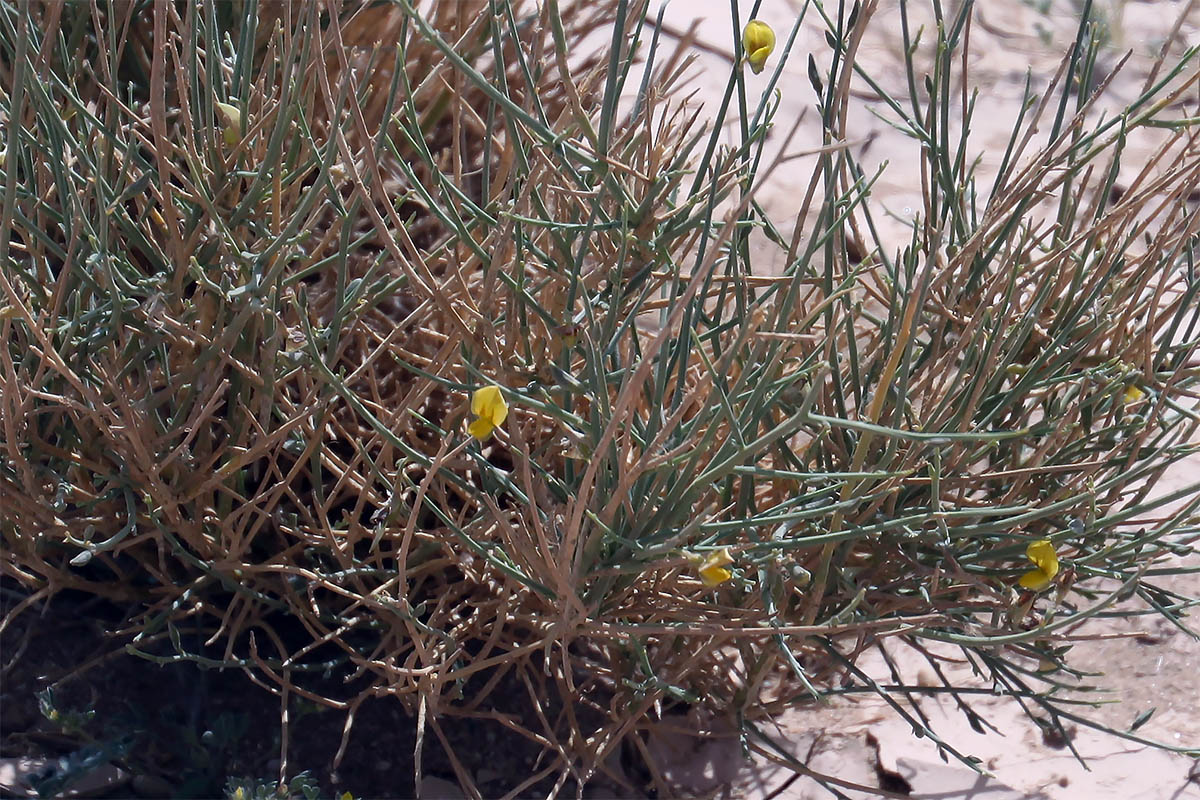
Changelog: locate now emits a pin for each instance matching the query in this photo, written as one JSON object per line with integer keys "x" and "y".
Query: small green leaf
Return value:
{"x": 815, "y": 77}
{"x": 1142, "y": 718}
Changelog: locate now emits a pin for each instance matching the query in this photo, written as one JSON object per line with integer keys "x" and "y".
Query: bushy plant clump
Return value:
{"x": 426, "y": 345}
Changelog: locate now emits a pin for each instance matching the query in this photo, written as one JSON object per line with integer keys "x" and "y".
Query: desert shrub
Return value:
{"x": 261, "y": 257}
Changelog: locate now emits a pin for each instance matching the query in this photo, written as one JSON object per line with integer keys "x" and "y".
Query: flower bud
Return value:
{"x": 758, "y": 40}
{"x": 231, "y": 122}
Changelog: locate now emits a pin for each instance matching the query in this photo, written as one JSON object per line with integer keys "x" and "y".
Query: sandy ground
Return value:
{"x": 1152, "y": 664}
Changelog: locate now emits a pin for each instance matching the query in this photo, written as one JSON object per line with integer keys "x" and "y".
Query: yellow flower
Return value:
{"x": 1132, "y": 393}
{"x": 758, "y": 40}
{"x": 1045, "y": 562}
{"x": 488, "y": 404}
{"x": 712, "y": 569}
{"x": 231, "y": 121}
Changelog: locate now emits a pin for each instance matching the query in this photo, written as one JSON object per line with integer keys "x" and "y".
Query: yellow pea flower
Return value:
{"x": 758, "y": 40}
{"x": 231, "y": 122}
{"x": 1045, "y": 562}
{"x": 489, "y": 405}
{"x": 712, "y": 568}
{"x": 1132, "y": 393}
